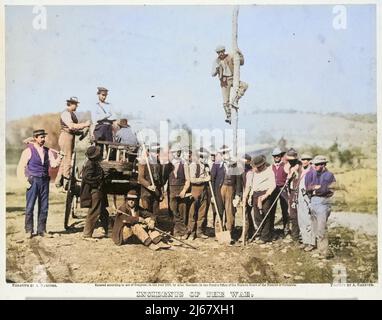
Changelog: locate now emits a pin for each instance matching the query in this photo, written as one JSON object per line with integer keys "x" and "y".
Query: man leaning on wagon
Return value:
{"x": 70, "y": 127}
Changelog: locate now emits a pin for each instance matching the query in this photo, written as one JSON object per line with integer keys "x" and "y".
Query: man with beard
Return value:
{"x": 151, "y": 191}
{"x": 303, "y": 207}
{"x": 133, "y": 222}
{"x": 33, "y": 173}
{"x": 199, "y": 177}
{"x": 226, "y": 183}
{"x": 178, "y": 182}
{"x": 293, "y": 167}
{"x": 281, "y": 178}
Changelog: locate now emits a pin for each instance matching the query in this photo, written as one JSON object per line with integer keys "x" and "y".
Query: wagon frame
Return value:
{"x": 120, "y": 164}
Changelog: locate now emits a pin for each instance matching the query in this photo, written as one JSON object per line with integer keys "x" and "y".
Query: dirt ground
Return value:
{"x": 67, "y": 258}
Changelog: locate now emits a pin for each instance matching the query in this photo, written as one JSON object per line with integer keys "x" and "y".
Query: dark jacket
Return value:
{"x": 92, "y": 180}
{"x": 218, "y": 176}
{"x": 127, "y": 219}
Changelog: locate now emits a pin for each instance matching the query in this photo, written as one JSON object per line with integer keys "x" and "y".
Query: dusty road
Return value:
{"x": 66, "y": 258}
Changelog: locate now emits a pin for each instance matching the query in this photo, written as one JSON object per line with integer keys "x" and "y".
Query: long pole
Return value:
{"x": 236, "y": 78}
{"x": 269, "y": 210}
{"x": 147, "y": 163}
{"x": 216, "y": 206}
{"x": 234, "y": 90}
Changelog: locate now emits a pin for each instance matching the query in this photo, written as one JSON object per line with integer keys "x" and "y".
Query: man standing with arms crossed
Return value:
{"x": 103, "y": 118}
{"x": 320, "y": 184}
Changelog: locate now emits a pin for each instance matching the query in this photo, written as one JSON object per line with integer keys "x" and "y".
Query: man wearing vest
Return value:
{"x": 281, "y": 178}
{"x": 199, "y": 177}
{"x": 151, "y": 191}
{"x": 103, "y": 118}
{"x": 69, "y": 129}
{"x": 223, "y": 68}
{"x": 178, "y": 182}
{"x": 294, "y": 169}
{"x": 227, "y": 185}
{"x": 33, "y": 171}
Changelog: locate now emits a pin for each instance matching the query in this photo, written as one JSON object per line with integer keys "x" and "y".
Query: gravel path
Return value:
{"x": 362, "y": 222}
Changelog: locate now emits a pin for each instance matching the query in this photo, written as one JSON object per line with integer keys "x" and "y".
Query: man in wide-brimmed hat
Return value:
{"x": 33, "y": 172}
{"x": 125, "y": 134}
{"x": 151, "y": 190}
{"x": 199, "y": 177}
{"x": 260, "y": 194}
{"x": 320, "y": 184}
{"x": 133, "y": 222}
{"x": 92, "y": 195}
{"x": 303, "y": 207}
{"x": 281, "y": 174}
{"x": 70, "y": 127}
{"x": 177, "y": 176}
{"x": 223, "y": 68}
{"x": 226, "y": 184}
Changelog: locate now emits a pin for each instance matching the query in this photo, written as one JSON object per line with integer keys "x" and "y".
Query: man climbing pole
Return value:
{"x": 223, "y": 67}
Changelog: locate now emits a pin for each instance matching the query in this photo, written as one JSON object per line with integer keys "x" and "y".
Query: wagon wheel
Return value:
{"x": 72, "y": 193}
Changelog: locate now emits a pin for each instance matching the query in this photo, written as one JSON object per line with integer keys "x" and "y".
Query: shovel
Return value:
{"x": 223, "y": 237}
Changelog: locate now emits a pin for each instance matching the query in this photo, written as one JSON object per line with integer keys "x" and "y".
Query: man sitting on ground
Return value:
{"x": 132, "y": 221}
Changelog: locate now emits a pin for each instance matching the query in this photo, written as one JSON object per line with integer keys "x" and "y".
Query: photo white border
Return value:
{"x": 118, "y": 291}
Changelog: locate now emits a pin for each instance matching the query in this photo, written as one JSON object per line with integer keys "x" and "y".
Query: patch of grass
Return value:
{"x": 358, "y": 190}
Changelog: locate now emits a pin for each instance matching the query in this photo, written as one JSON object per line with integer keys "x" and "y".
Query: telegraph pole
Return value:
{"x": 234, "y": 92}
{"x": 236, "y": 79}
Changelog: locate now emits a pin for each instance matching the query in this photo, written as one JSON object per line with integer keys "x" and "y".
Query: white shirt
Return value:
{"x": 262, "y": 181}
{"x": 103, "y": 111}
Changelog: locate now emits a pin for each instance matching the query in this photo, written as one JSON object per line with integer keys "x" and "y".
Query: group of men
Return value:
{"x": 302, "y": 185}
{"x": 36, "y": 159}
{"x": 103, "y": 127}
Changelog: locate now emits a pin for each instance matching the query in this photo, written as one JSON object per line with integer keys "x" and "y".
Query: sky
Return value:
{"x": 157, "y": 60}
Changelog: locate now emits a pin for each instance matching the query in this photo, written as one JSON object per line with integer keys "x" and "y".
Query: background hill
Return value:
{"x": 348, "y": 140}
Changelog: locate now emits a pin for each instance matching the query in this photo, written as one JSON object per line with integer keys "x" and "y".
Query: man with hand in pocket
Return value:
{"x": 33, "y": 172}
